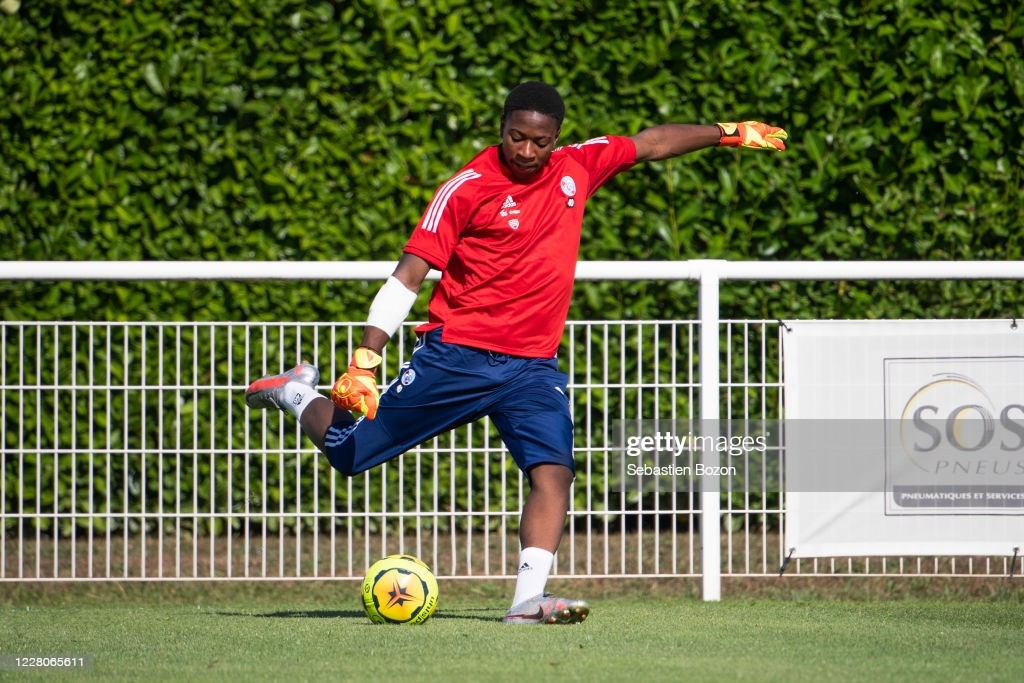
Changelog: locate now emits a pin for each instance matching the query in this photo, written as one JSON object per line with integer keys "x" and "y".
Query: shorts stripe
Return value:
{"x": 335, "y": 435}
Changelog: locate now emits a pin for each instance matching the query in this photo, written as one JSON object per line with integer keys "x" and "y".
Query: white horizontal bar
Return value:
{"x": 585, "y": 270}
{"x": 871, "y": 270}
{"x": 195, "y": 270}
{"x": 298, "y": 270}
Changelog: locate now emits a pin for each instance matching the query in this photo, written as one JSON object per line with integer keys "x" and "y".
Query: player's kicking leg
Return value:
{"x": 294, "y": 391}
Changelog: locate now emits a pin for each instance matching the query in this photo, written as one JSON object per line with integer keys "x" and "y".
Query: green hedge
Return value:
{"x": 318, "y": 131}
{"x": 285, "y": 130}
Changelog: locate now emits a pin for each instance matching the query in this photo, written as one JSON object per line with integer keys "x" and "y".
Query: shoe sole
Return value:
{"x": 573, "y": 614}
{"x": 259, "y": 395}
{"x": 252, "y": 398}
{"x": 570, "y": 615}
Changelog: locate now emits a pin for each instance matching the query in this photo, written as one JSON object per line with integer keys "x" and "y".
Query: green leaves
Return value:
{"x": 293, "y": 131}
{"x": 288, "y": 130}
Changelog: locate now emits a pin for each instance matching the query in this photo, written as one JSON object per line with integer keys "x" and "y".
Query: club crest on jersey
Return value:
{"x": 569, "y": 190}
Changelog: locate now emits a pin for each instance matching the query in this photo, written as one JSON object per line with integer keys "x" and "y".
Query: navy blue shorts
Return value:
{"x": 446, "y": 385}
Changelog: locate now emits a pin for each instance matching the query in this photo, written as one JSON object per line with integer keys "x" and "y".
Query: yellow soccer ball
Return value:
{"x": 399, "y": 589}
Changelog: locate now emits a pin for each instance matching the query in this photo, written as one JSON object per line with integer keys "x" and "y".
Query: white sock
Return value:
{"x": 534, "y": 567}
{"x": 297, "y": 396}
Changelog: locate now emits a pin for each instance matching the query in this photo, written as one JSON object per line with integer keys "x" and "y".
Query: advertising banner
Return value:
{"x": 903, "y": 437}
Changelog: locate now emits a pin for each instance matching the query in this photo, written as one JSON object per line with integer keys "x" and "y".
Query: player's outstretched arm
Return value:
{"x": 356, "y": 390}
{"x": 674, "y": 139}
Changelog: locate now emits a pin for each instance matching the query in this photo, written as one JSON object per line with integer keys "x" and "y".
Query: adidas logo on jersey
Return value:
{"x": 507, "y": 208}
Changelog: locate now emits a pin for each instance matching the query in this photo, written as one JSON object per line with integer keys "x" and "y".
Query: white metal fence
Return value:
{"x": 128, "y": 452}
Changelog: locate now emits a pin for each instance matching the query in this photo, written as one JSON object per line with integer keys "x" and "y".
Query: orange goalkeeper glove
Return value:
{"x": 356, "y": 390}
{"x": 752, "y": 134}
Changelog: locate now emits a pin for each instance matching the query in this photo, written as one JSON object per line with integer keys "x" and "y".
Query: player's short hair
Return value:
{"x": 534, "y": 96}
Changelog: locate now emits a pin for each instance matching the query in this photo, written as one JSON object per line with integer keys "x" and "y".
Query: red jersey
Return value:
{"x": 507, "y": 250}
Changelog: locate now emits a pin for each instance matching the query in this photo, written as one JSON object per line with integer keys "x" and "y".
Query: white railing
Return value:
{"x": 114, "y": 471}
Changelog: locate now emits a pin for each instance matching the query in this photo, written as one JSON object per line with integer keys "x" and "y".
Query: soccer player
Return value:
{"x": 504, "y": 232}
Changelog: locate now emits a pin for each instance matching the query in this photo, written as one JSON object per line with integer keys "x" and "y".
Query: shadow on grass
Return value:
{"x": 299, "y": 614}
{"x": 466, "y": 614}
{"x": 488, "y": 615}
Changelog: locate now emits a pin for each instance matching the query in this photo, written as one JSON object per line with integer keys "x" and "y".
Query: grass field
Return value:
{"x": 638, "y": 632}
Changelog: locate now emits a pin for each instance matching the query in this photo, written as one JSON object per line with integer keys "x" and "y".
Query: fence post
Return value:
{"x": 710, "y": 505}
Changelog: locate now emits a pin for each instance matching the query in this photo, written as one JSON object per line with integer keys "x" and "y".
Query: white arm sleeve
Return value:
{"x": 391, "y": 306}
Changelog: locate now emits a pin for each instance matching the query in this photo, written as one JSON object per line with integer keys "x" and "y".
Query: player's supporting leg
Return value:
{"x": 540, "y": 530}
{"x": 543, "y": 519}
